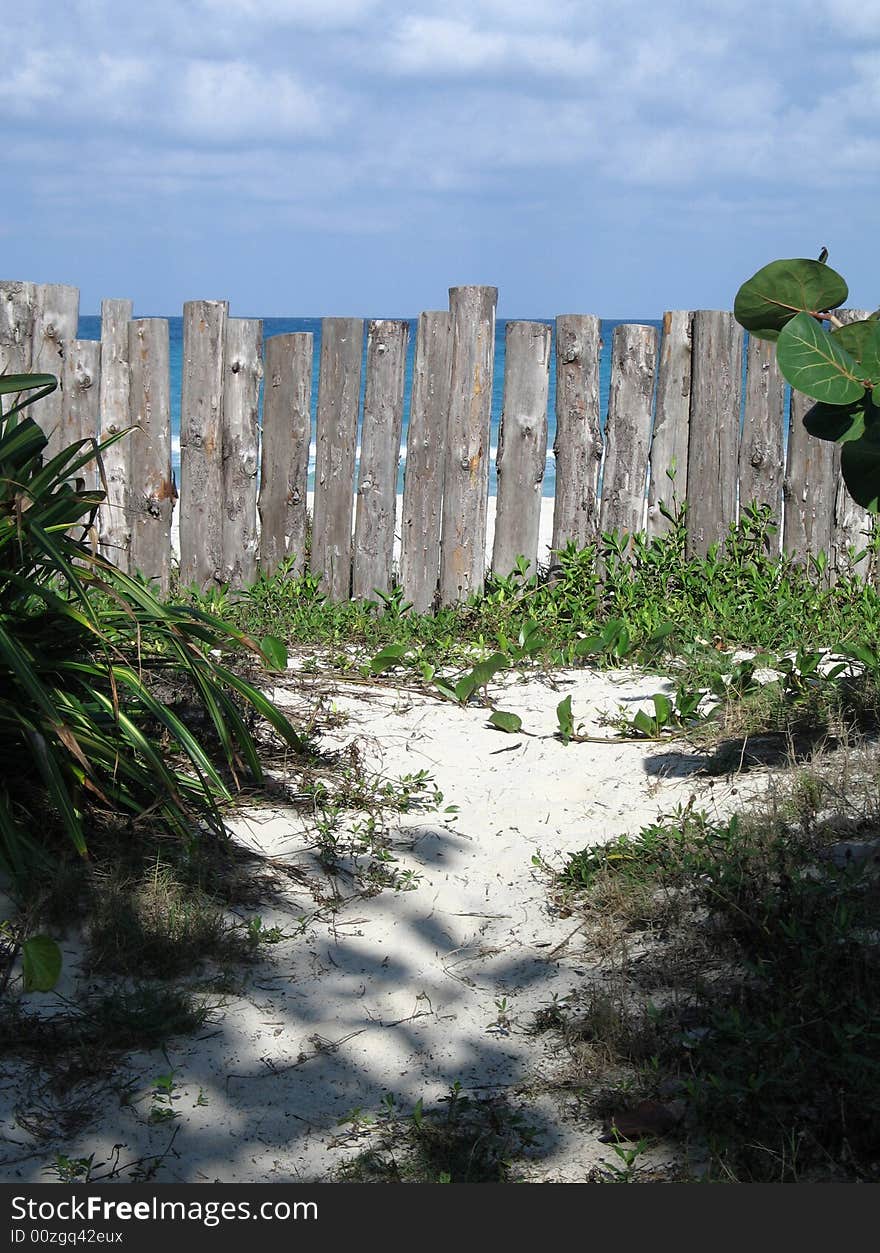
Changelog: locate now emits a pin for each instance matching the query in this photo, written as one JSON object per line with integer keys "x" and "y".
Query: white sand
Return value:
{"x": 399, "y": 992}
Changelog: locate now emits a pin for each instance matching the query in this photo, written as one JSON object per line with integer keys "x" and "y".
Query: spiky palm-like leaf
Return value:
{"x": 82, "y": 649}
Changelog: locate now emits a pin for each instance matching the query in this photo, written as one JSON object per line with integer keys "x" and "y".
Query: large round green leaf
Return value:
{"x": 862, "y": 341}
{"x": 837, "y": 423}
{"x": 771, "y": 298}
{"x": 860, "y": 467}
{"x": 815, "y": 364}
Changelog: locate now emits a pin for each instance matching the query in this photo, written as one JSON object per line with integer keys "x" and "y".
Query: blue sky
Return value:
{"x": 355, "y": 157}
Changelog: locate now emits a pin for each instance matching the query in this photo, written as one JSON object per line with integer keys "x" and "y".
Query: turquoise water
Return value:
{"x": 90, "y": 328}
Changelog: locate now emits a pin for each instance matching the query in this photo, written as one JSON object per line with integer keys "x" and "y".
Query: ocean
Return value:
{"x": 90, "y": 328}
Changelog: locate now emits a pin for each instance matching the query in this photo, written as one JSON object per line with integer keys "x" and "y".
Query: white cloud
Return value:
{"x": 854, "y": 19}
{"x": 309, "y": 13}
{"x": 232, "y": 100}
{"x": 441, "y": 45}
{"x": 94, "y": 86}
{"x": 337, "y": 111}
{"x": 438, "y": 45}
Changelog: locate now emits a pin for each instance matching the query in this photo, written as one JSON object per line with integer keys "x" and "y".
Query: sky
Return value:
{"x": 357, "y": 158}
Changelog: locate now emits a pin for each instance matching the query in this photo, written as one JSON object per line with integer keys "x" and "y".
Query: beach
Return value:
{"x": 369, "y": 996}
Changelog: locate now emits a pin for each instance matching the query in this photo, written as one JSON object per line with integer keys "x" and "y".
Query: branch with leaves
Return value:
{"x": 839, "y": 367}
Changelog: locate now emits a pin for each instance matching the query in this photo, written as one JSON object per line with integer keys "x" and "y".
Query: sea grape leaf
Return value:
{"x": 837, "y": 423}
{"x": 505, "y": 721}
{"x": 862, "y": 341}
{"x": 782, "y": 289}
{"x": 815, "y": 364}
{"x": 860, "y": 467}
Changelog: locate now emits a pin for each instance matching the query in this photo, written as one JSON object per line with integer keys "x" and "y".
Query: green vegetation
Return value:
{"x": 737, "y": 961}
{"x": 93, "y": 671}
{"x": 464, "y": 1139}
{"x": 754, "y": 1005}
{"x": 788, "y": 301}
{"x": 623, "y": 600}
{"x": 91, "y": 667}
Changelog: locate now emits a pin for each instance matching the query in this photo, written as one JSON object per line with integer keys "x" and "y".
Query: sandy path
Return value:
{"x": 398, "y": 993}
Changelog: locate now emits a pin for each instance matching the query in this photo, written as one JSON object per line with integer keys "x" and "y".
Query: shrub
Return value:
{"x": 86, "y": 652}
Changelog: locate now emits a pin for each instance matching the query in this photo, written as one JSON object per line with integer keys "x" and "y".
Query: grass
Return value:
{"x": 143, "y": 1015}
{"x": 462, "y": 1139}
{"x": 746, "y": 961}
{"x": 738, "y": 595}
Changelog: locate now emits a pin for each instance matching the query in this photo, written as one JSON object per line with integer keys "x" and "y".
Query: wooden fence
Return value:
{"x": 685, "y": 421}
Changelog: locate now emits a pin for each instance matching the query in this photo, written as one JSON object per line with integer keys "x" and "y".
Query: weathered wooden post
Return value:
{"x": 578, "y": 443}
{"x": 242, "y": 374}
{"x": 342, "y": 343}
{"x": 761, "y": 453}
{"x": 852, "y": 530}
{"x": 713, "y": 442}
{"x": 466, "y": 476}
{"x": 16, "y": 327}
{"x": 667, "y": 480}
{"x": 425, "y": 461}
{"x": 380, "y": 457}
{"x": 201, "y": 443}
{"x": 852, "y": 527}
{"x": 809, "y": 486}
{"x": 287, "y": 428}
{"x": 628, "y": 428}
{"x": 56, "y": 320}
{"x": 114, "y": 531}
{"x": 152, "y": 493}
{"x": 522, "y": 445}
{"x": 81, "y": 398}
